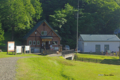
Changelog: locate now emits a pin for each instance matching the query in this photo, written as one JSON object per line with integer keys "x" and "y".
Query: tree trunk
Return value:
{"x": 12, "y": 33}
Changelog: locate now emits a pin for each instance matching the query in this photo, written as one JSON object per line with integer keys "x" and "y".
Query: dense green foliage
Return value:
{"x": 1, "y": 33}
{"x": 95, "y": 17}
{"x": 19, "y": 14}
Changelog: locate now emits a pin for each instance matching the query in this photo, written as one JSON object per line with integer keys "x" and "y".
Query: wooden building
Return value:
{"x": 41, "y": 36}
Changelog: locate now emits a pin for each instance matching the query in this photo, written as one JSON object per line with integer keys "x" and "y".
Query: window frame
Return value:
{"x": 37, "y": 42}
{"x": 33, "y": 42}
{"x": 30, "y": 41}
{"x": 43, "y": 33}
{"x": 56, "y": 43}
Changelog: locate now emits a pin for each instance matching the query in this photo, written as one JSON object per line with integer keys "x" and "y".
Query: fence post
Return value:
{"x": 75, "y": 57}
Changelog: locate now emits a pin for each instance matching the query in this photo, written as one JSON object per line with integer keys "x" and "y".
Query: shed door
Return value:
{"x": 97, "y": 47}
{"x": 106, "y": 47}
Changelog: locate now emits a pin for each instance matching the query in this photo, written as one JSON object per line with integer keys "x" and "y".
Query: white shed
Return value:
{"x": 98, "y": 42}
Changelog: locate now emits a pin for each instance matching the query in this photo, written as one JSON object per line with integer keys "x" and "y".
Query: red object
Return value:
{"x": 106, "y": 52}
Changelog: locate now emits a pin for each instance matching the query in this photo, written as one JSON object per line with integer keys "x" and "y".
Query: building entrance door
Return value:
{"x": 47, "y": 45}
{"x": 106, "y": 47}
{"x": 97, "y": 47}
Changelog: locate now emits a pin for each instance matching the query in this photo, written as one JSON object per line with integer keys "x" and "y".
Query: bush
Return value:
{"x": 103, "y": 61}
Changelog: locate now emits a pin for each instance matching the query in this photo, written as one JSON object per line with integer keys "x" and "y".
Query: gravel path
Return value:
{"x": 8, "y": 67}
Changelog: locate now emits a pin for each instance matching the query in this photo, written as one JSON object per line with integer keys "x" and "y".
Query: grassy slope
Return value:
{"x": 54, "y": 68}
{"x": 97, "y": 56}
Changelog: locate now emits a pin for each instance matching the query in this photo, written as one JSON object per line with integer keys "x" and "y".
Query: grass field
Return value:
{"x": 4, "y": 55}
{"x": 55, "y": 68}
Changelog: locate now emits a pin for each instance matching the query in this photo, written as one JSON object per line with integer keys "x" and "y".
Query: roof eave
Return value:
{"x": 30, "y": 32}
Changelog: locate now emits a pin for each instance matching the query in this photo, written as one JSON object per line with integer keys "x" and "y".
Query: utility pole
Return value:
{"x": 77, "y": 28}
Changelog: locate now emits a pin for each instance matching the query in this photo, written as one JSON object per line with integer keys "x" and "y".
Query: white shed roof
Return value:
{"x": 99, "y": 37}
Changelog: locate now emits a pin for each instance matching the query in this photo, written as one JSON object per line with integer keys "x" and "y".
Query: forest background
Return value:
{"x": 17, "y": 17}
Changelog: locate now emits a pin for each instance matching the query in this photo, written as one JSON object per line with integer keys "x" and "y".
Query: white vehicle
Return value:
{"x": 67, "y": 47}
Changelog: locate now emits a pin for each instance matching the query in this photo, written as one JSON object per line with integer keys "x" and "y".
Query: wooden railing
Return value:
{"x": 68, "y": 51}
{"x": 48, "y": 51}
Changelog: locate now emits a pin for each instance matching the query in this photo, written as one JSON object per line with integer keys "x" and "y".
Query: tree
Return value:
{"x": 50, "y": 6}
{"x": 102, "y": 14}
{"x": 64, "y": 21}
{"x": 58, "y": 19}
{"x": 19, "y": 14}
{"x": 118, "y": 2}
{"x": 1, "y": 33}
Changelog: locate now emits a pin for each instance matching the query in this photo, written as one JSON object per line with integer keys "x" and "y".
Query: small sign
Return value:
{"x": 46, "y": 39}
{"x": 56, "y": 48}
{"x": 18, "y": 49}
{"x": 27, "y": 48}
{"x": 11, "y": 45}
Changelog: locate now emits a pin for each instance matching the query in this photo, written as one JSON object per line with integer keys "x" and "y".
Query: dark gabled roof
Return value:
{"x": 99, "y": 37}
{"x": 36, "y": 26}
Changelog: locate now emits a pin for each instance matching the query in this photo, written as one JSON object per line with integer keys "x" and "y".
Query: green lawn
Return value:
{"x": 55, "y": 68}
{"x": 96, "y": 56}
{"x": 4, "y": 55}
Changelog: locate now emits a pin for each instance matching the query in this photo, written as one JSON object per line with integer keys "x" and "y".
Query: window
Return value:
{"x": 34, "y": 42}
{"x": 43, "y": 43}
{"x": 97, "y": 48}
{"x": 43, "y": 33}
{"x": 55, "y": 42}
{"x": 38, "y": 42}
{"x": 30, "y": 42}
{"x": 106, "y": 47}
